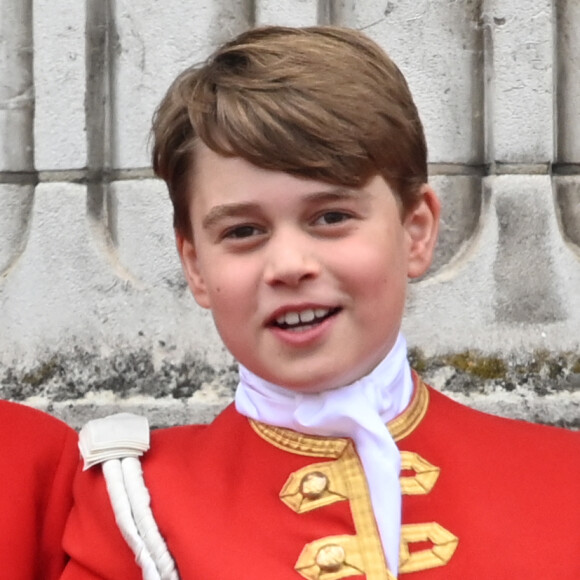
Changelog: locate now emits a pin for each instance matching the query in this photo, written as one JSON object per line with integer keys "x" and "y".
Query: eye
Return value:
{"x": 241, "y": 232}
{"x": 332, "y": 217}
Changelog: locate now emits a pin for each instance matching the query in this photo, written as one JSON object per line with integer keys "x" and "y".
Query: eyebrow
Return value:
{"x": 220, "y": 212}
{"x": 230, "y": 210}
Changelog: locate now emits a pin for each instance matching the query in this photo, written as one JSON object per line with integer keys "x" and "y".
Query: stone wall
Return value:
{"x": 94, "y": 313}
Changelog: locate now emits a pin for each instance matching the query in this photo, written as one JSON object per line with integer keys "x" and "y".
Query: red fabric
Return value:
{"x": 508, "y": 490}
{"x": 37, "y": 465}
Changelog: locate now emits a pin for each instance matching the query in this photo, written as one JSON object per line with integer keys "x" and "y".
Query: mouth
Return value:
{"x": 302, "y": 320}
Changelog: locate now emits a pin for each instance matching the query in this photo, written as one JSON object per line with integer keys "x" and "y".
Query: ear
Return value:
{"x": 422, "y": 226}
{"x": 191, "y": 269}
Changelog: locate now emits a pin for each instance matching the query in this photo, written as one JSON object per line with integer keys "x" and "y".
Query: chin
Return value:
{"x": 312, "y": 386}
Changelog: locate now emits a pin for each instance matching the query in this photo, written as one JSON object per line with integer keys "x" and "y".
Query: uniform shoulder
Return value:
{"x": 32, "y": 428}
{"x": 501, "y": 431}
{"x": 176, "y": 435}
{"x": 14, "y": 414}
{"x": 197, "y": 437}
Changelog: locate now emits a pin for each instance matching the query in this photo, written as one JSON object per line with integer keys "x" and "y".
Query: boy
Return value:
{"x": 37, "y": 465}
{"x": 296, "y": 163}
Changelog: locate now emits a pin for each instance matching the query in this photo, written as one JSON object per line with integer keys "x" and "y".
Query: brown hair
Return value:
{"x": 322, "y": 102}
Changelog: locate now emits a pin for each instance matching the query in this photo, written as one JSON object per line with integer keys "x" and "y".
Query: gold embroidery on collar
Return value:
{"x": 309, "y": 445}
{"x": 313, "y": 446}
{"x": 405, "y": 423}
{"x": 426, "y": 474}
{"x": 444, "y": 546}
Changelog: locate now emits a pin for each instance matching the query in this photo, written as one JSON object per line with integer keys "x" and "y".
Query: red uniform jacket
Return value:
{"x": 37, "y": 465}
{"x": 484, "y": 497}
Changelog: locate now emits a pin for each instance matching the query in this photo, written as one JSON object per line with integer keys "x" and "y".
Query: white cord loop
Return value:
{"x": 117, "y": 442}
{"x": 146, "y": 525}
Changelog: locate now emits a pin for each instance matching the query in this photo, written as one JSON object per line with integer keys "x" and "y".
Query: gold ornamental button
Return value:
{"x": 313, "y": 485}
{"x": 330, "y": 558}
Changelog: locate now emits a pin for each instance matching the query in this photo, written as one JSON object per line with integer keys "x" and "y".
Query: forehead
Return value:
{"x": 219, "y": 181}
{"x": 216, "y": 175}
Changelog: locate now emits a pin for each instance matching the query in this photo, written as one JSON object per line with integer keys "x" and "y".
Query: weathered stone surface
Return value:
{"x": 287, "y": 12}
{"x": 152, "y": 43}
{"x": 461, "y": 199}
{"x": 16, "y": 87}
{"x": 515, "y": 290}
{"x": 520, "y": 105}
{"x": 525, "y": 294}
{"x": 69, "y": 289}
{"x": 16, "y": 204}
{"x": 140, "y": 227}
{"x": 540, "y": 386}
{"x": 94, "y": 313}
{"x": 568, "y": 80}
{"x": 78, "y": 382}
{"x": 59, "y": 84}
{"x": 438, "y": 47}
{"x": 568, "y": 208}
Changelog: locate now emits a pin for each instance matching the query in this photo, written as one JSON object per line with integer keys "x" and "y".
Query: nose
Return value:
{"x": 290, "y": 259}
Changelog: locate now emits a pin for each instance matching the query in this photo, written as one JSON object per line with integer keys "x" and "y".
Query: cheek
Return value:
{"x": 224, "y": 296}
{"x": 377, "y": 280}
{"x": 230, "y": 291}
{"x": 373, "y": 267}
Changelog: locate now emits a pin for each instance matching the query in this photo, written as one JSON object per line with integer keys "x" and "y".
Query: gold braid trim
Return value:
{"x": 309, "y": 445}
{"x": 405, "y": 423}
{"x": 363, "y": 552}
{"x": 425, "y": 478}
{"x": 444, "y": 546}
{"x": 313, "y": 446}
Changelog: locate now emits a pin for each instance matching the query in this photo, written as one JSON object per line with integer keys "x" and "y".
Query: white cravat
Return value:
{"x": 359, "y": 411}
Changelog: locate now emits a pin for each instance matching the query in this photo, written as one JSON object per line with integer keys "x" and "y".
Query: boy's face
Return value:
{"x": 306, "y": 281}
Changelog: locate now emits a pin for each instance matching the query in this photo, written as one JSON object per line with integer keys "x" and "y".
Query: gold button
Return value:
{"x": 313, "y": 485}
{"x": 330, "y": 558}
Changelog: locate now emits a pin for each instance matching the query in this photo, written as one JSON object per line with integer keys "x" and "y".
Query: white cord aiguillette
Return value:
{"x": 117, "y": 442}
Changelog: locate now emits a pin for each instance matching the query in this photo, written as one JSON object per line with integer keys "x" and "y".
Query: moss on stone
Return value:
{"x": 417, "y": 359}
{"x": 71, "y": 375}
{"x": 539, "y": 360}
{"x": 42, "y": 373}
{"x": 553, "y": 365}
{"x": 555, "y": 368}
{"x": 485, "y": 367}
{"x": 471, "y": 371}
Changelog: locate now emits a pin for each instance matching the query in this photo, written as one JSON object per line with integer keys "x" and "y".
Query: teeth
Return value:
{"x": 303, "y": 317}
{"x": 292, "y": 318}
